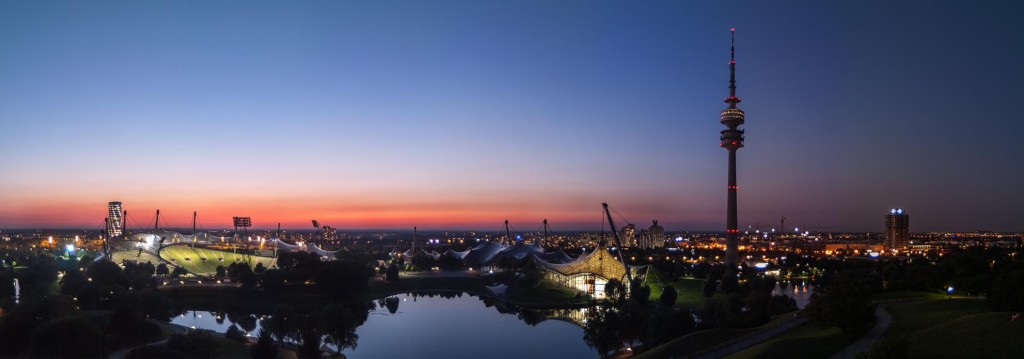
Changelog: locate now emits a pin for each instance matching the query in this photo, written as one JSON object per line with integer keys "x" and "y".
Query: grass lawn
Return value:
{"x": 693, "y": 342}
{"x": 227, "y": 348}
{"x": 689, "y": 291}
{"x": 699, "y": 340}
{"x": 907, "y": 295}
{"x": 958, "y": 327}
{"x": 205, "y": 261}
{"x": 807, "y": 341}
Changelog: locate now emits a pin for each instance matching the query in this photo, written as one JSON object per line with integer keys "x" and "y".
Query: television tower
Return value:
{"x": 732, "y": 140}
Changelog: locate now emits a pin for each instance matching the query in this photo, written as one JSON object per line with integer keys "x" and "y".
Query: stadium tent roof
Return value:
{"x": 600, "y": 262}
{"x": 483, "y": 253}
{"x": 313, "y": 248}
{"x": 284, "y": 246}
{"x": 557, "y": 256}
{"x": 459, "y": 255}
{"x": 520, "y": 250}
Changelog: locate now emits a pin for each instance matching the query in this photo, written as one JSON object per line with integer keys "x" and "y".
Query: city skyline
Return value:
{"x": 363, "y": 115}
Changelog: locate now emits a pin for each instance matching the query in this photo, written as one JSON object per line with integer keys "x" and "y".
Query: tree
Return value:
{"x": 283, "y": 321}
{"x": 248, "y": 279}
{"x": 235, "y": 334}
{"x": 310, "y": 348}
{"x": 259, "y": 268}
{"x": 264, "y": 347}
{"x": 612, "y": 288}
{"x": 1006, "y": 292}
{"x": 162, "y": 269}
{"x": 729, "y": 281}
{"x": 178, "y": 272}
{"x": 844, "y": 303}
{"x": 392, "y": 274}
{"x": 221, "y": 272}
{"x": 639, "y": 292}
{"x": 710, "y": 286}
{"x": 601, "y": 331}
{"x": 272, "y": 280}
{"x": 668, "y": 296}
{"x": 105, "y": 275}
{"x": 343, "y": 280}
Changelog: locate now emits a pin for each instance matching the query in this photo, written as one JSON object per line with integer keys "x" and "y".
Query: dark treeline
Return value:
{"x": 82, "y": 308}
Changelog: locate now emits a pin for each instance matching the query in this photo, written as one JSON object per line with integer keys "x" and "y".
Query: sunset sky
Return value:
{"x": 461, "y": 114}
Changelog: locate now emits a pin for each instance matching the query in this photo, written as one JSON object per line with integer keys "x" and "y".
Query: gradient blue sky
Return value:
{"x": 459, "y": 114}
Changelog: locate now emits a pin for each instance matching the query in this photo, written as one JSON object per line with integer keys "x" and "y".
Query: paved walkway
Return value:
{"x": 868, "y": 341}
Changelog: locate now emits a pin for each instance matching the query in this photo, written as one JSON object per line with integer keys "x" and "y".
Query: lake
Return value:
{"x": 437, "y": 327}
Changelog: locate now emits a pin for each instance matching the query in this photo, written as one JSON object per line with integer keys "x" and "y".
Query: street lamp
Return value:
{"x": 949, "y": 292}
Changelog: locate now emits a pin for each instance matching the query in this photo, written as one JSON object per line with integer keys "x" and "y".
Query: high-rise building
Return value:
{"x": 328, "y": 233}
{"x": 628, "y": 235}
{"x": 897, "y": 229}
{"x": 732, "y": 140}
{"x": 656, "y": 234}
{"x": 643, "y": 239}
{"x": 114, "y": 219}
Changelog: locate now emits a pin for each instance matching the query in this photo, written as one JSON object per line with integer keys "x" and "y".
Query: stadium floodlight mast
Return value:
{"x": 244, "y": 223}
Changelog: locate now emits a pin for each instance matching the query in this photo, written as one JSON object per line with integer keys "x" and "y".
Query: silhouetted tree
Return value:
{"x": 844, "y": 303}
{"x": 668, "y": 296}
{"x": 264, "y": 347}
{"x": 710, "y": 286}
{"x": 392, "y": 273}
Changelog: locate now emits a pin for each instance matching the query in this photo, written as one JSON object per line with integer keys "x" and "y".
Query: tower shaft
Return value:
{"x": 732, "y": 227}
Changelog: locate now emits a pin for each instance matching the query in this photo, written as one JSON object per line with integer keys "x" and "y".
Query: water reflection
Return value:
{"x": 799, "y": 290}
{"x": 439, "y": 324}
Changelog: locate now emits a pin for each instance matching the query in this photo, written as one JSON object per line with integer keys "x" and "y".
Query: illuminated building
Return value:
{"x": 590, "y": 272}
{"x": 628, "y": 235}
{"x": 656, "y": 233}
{"x": 114, "y": 219}
{"x": 897, "y": 229}
{"x": 732, "y": 140}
